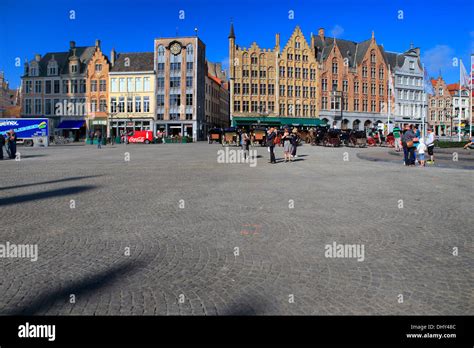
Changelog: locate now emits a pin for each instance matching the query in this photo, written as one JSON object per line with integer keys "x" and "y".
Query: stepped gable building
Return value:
{"x": 353, "y": 81}
{"x": 440, "y": 107}
{"x": 407, "y": 71}
{"x": 54, "y": 86}
{"x": 97, "y": 91}
{"x": 131, "y": 93}
{"x": 460, "y": 106}
{"x": 273, "y": 85}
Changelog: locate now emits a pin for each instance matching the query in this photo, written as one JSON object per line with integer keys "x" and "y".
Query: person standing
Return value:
{"x": 396, "y": 135}
{"x": 294, "y": 138}
{"x": 408, "y": 146}
{"x": 2, "y": 144}
{"x": 430, "y": 144}
{"x": 287, "y": 147}
{"x": 12, "y": 143}
{"x": 421, "y": 149}
{"x": 98, "y": 135}
{"x": 271, "y": 134}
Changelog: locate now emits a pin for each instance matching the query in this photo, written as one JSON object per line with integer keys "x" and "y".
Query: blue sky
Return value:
{"x": 442, "y": 29}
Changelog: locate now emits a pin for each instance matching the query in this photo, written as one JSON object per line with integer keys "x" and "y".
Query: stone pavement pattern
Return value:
{"x": 190, "y": 251}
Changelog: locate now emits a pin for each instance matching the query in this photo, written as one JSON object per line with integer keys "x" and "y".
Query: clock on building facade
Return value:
{"x": 175, "y": 48}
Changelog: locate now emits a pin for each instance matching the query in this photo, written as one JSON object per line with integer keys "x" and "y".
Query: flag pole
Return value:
{"x": 460, "y": 101}
{"x": 389, "y": 99}
{"x": 422, "y": 105}
{"x": 470, "y": 96}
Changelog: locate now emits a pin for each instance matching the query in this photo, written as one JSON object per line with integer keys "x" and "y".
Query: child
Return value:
{"x": 420, "y": 149}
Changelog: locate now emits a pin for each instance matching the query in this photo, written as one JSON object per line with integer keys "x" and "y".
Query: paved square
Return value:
{"x": 181, "y": 214}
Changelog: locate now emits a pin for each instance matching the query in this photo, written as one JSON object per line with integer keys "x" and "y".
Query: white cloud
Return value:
{"x": 337, "y": 31}
{"x": 438, "y": 58}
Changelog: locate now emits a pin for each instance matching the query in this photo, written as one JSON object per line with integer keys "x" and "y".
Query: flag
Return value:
{"x": 390, "y": 81}
{"x": 427, "y": 81}
{"x": 472, "y": 70}
{"x": 465, "y": 78}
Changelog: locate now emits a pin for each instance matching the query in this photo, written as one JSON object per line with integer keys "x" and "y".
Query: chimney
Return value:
{"x": 25, "y": 67}
{"x": 321, "y": 33}
{"x": 277, "y": 40}
{"x": 37, "y": 57}
{"x": 113, "y": 56}
{"x": 72, "y": 44}
{"x": 97, "y": 43}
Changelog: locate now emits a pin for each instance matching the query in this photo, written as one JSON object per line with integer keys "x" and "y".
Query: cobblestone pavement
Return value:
{"x": 182, "y": 214}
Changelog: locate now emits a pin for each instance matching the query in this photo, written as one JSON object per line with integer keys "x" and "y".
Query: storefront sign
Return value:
{"x": 99, "y": 122}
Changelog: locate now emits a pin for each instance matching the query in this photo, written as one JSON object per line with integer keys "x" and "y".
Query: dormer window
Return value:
{"x": 74, "y": 68}
{"x": 412, "y": 64}
{"x": 33, "y": 71}
{"x": 52, "y": 69}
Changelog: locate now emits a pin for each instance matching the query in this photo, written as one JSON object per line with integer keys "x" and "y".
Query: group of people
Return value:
{"x": 9, "y": 142}
{"x": 414, "y": 145}
{"x": 289, "y": 141}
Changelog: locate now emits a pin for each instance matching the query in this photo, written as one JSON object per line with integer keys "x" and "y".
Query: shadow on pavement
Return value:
{"x": 45, "y": 195}
{"x": 79, "y": 288}
{"x": 49, "y": 182}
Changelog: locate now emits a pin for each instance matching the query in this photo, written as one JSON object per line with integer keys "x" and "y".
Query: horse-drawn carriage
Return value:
{"x": 230, "y": 137}
{"x": 215, "y": 135}
{"x": 332, "y": 138}
{"x": 259, "y": 136}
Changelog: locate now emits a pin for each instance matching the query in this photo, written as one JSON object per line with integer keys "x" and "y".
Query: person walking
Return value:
{"x": 271, "y": 134}
{"x": 430, "y": 144}
{"x": 12, "y": 143}
{"x": 397, "y": 135}
{"x": 421, "y": 149}
{"x": 287, "y": 147}
{"x": 245, "y": 142}
{"x": 416, "y": 141}
{"x": 408, "y": 146}
{"x": 98, "y": 135}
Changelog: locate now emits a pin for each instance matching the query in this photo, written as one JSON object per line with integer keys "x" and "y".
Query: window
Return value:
{"x": 28, "y": 86}
{"x": 189, "y": 99}
{"x": 381, "y": 73}
{"x": 364, "y": 88}
{"x": 113, "y": 105}
{"x": 305, "y": 91}
{"x": 372, "y": 106}
{"x": 271, "y": 89}
{"x": 146, "y": 104}
{"x": 146, "y": 84}
{"x": 122, "y": 85}
{"x": 74, "y": 68}
{"x": 103, "y": 105}
{"x": 313, "y": 74}
{"x": 364, "y": 105}
{"x": 38, "y": 106}
{"x": 98, "y": 67}
{"x": 175, "y": 82}
{"x": 345, "y": 85}
{"x": 364, "y": 71}
{"x": 93, "y": 87}
{"x": 245, "y": 89}
{"x": 305, "y": 73}
{"x": 161, "y": 67}
{"x": 356, "y": 104}
{"x": 56, "y": 87}
{"x": 130, "y": 84}
{"x": 245, "y": 106}
{"x": 381, "y": 89}
{"x": 237, "y": 105}
{"x": 129, "y": 104}
{"x": 271, "y": 106}
{"x": 38, "y": 87}
{"x": 113, "y": 85}
{"x": 335, "y": 85}
{"x": 121, "y": 104}
{"x": 290, "y": 111}
{"x": 290, "y": 72}
{"x": 175, "y": 67}
{"x": 52, "y": 69}
{"x": 372, "y": 57}
{"x": 334, "y": 66}
{"x": 93, "y": 105}
{"x": 312, "y": 92}
{"x": 297, "y": 91}
{"x": 175, "y": 99}
{"x": 103, "y": 85}
{"x": 245, "y": 73}
{"x": 324, "y": 84}
{"x": 412, "y": 65}
{"x": 372, "y": 88}
{"x": 160, "y": 100}
{"x": 82, "y": 86}
{"x": 290, "y": 91}
{"x": 254, "y": 106}
{"x": 28, "y": 106}
{"x": 263, "y": 73}
{"x": 282, "y": 109}
{"x": 254, "y": 59}
{"x": 282, "y": 90}
{"x": 138, "y": 84}
{"x": 189, "y": 82}
{"x": 237, "y": 88}
{"x": 254, "y": 89}
{"x": 189, "y": 66}
{"x": 47, "y": 87}
{"x": 138, "y": 104}
{"x": 263, "y": 89}
{"x": 254, "y": 73}
{"x": 298, "y": 73}
{"x": 74, "y": 86}
{"x": 324, "y": 103}
{"x": 47, "y": 106}
{"x": 282, "y": 71}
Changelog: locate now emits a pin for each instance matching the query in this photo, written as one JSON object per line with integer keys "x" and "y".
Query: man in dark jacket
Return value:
{"x": 271, "y": 134}
{"x": 408, "y": 146}
{"x": 12, "y": 143}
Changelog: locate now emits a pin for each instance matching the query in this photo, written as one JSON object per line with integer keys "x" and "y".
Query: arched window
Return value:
{"x": 262, "y": 59}
{"x": 334, "y": 65}
{"x": 372, "y": 57}
{"x": 161, "y": 54}
{"x": 297, "y": 42}
{"x": 271, "y": 72}
{"x": 245, "y": 58}
{"x": 254, "y": 59}
{"x": 381, "y": 72}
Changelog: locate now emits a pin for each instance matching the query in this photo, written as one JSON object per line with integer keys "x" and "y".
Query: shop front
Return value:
{"x": 71, "y": 129}
{"x": 177, "y": 129}
{"x": 119, "y": 127}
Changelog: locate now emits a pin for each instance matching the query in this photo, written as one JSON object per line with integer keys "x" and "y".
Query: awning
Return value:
{"x": 71, "y": 124}
{"x": 277, "y": 121}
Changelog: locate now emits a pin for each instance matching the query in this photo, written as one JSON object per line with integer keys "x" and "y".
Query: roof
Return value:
{"x": 134, "y": 61}
{"x": 84, "y": 54}
{"x": 215, "y": 79}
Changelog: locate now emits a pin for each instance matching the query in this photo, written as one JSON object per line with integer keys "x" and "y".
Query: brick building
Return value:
{"x": 440, "y": 107}
{"x": 10, "y": 99}
{"x": 217, "y": 98}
